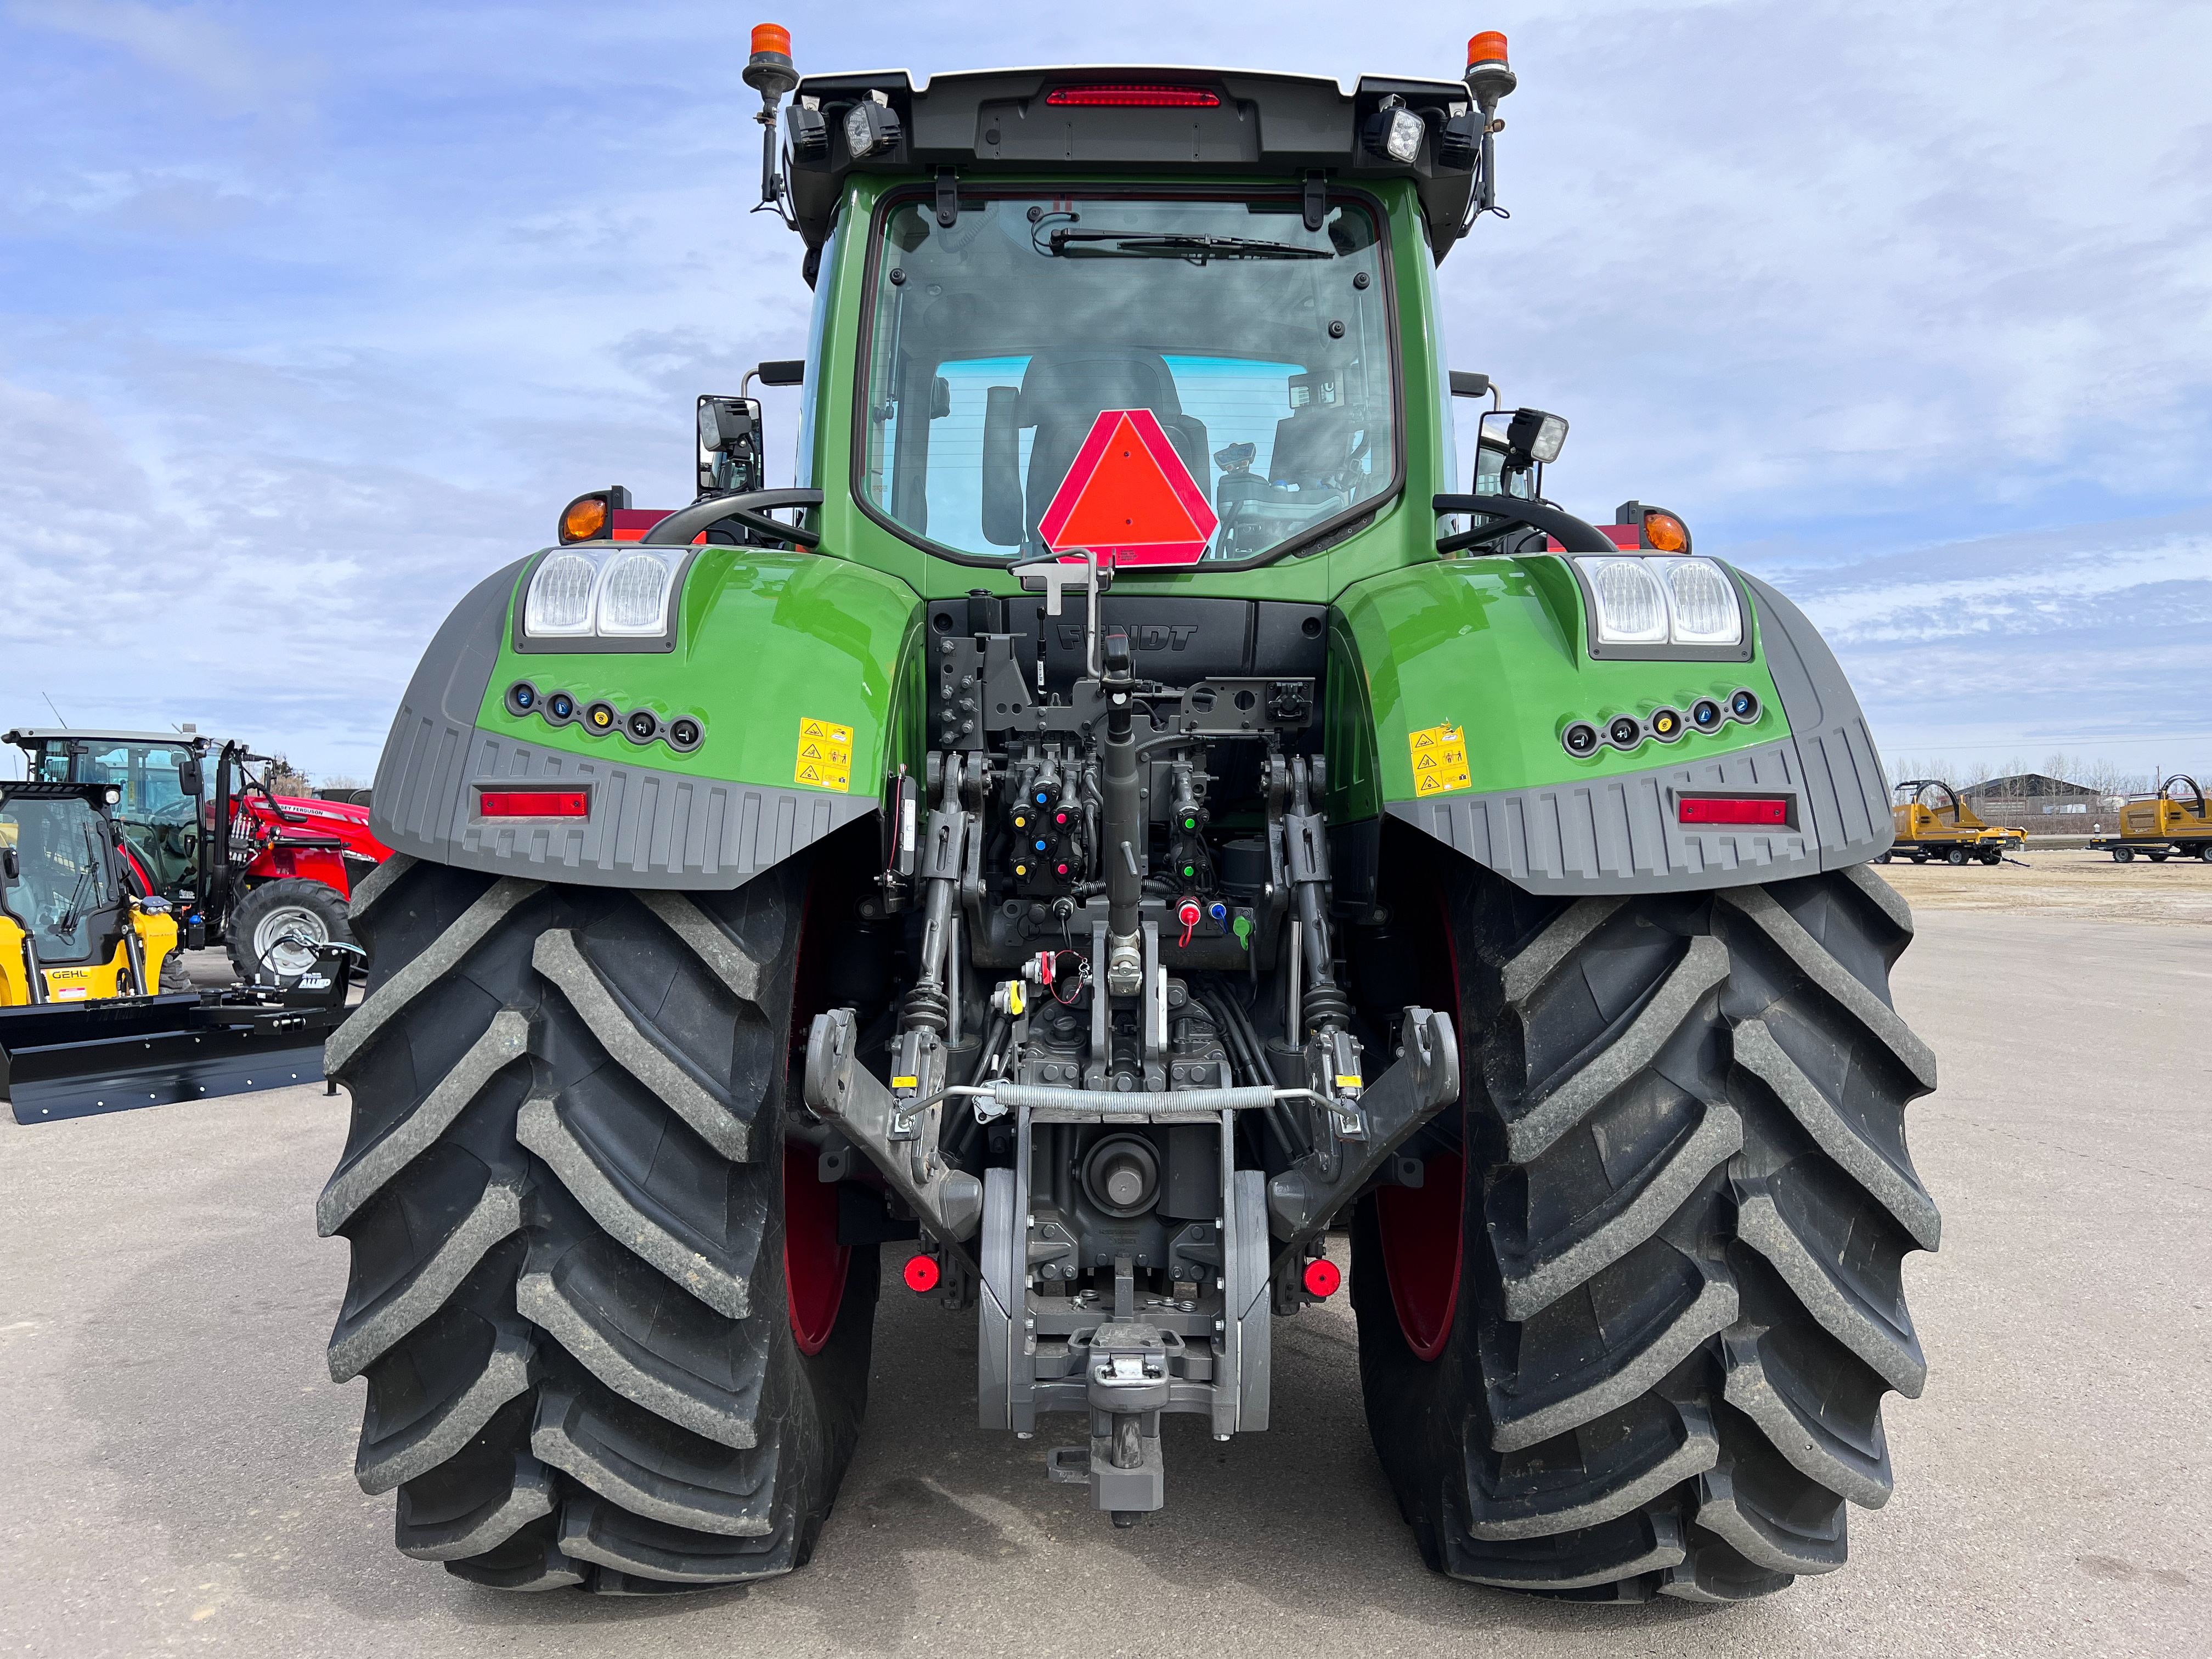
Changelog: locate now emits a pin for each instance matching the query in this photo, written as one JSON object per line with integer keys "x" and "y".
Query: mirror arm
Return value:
{"x": 1574, "y": 535}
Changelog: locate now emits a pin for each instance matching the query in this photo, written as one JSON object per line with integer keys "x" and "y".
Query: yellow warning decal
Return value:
{"x": 906, "y": 1083}
{"x": 825, "y": 756}
{"x": 1439, "y": 759}
{"x": 1349, "y": 1080}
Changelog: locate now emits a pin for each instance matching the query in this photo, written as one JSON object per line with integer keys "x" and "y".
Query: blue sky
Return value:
{"x": 311, "y": 315}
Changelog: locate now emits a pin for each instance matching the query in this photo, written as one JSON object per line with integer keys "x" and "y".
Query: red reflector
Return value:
{"x": 1732, "y": 809}
{"x": 1322, "y": 1278}
{"x": 922, "y": 1273}
{"x": 1138, "y": 97}
{"x": 535, "y": 803}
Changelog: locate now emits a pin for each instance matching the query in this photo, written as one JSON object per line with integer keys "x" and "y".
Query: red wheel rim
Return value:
{"x": 1421, "y": 1226}
{"x": 814, "y": 1262}
{"x": 1421, "y": 1252}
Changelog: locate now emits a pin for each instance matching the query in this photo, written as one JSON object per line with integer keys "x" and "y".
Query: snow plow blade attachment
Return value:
{"x": 77, "y": 1059}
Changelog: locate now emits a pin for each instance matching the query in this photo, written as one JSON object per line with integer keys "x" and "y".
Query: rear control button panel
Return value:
{"x": 600, "y": 718}
{"x": 1666, "y": 724}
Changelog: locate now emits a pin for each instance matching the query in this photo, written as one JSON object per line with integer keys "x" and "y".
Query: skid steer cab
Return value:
{"x": 268, "y": 875}
{"x": 92, "y": 1018}
{"x": 71, "y": 928}
{"x": 1148, "y": 829}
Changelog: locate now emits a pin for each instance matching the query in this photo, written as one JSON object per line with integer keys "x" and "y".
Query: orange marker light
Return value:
{"x": 584, "y": 520}
{"x": 1488, "y": 47}
{"x": 772, "y": 37}
{"x": 1666, "y": 532}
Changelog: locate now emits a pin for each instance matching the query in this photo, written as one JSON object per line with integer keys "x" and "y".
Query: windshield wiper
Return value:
{"x": 1171, "y": 245}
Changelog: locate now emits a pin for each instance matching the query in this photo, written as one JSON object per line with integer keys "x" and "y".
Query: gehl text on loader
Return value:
{"x": 1129, "y": 813}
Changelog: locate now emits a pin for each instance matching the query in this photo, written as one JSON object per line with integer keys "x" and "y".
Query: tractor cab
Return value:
{"x": 159, "y": 776}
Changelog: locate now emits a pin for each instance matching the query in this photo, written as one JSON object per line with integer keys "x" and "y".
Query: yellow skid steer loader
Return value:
{"x": 85, "y": 1023}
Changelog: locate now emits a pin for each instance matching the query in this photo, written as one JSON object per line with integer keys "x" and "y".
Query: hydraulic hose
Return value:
{"x": 1124, "y": 839}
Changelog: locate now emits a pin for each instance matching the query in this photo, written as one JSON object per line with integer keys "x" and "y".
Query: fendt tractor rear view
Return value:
{"x": 1133, "y": 813}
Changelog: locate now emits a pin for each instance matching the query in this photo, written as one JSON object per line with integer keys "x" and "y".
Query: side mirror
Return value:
{"x": 782, "y": 371}
{"x": 188, "y": 776}
{"x": 731, "y": 460}
{"x": 1464, "y": 385}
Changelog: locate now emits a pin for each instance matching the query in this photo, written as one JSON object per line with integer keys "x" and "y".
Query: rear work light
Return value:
{"x": 534, "y": 802}
{"x": 1136, "y": 97}
{"x": 1733, "y": 809}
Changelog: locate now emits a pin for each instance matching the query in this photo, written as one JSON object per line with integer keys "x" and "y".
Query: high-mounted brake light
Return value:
{"x": 1136, "y": 97}
{"x": 1732, "y": 809}
{"x": 534, "y": 802}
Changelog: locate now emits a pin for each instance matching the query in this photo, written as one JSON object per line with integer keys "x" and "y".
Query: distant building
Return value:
{"x": 2041, "y": 805}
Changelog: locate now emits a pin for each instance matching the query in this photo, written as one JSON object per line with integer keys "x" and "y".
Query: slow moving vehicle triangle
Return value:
{"x": 1129, "y": 496}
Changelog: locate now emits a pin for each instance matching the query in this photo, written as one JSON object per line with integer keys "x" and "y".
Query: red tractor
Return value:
{"x": 268, "y": 874}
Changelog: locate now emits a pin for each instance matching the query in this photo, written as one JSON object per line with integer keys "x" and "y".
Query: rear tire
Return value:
{"x": 1956, "y": 855}
{"x": 1640, "y": 1347}
{"x": 275, "y": 912}
{"x": 565, "y": 1190}
{"x": 2124, "y": 854}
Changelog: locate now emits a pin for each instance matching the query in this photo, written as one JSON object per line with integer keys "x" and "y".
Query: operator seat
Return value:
{"x": 1316, "y": 441}
{"x": 1062, "y": 394}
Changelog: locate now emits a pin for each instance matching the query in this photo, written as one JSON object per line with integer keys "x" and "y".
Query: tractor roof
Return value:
{"x": 24, "y": 737}
{"x": 1255, "y": 122}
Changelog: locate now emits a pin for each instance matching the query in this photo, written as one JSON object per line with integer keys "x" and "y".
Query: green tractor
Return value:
{"x": 1134, "y": 820}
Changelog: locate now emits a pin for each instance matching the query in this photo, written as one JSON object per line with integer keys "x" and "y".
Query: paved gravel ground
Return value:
{"x": 2069, "y": 880}
{"x": 175, "y": 1464}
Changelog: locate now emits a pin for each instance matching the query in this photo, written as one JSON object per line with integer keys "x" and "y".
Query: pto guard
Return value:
{"x": 750, "y": 646}
{"x": 1619, "y": 832}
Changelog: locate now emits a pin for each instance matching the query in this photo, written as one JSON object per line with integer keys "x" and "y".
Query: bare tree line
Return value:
{"x": 2098, "y": 775}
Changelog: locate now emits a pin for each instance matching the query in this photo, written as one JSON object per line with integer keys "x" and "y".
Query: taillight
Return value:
{"x": 1733, "y": 809}
{"x": 534, "y": 802}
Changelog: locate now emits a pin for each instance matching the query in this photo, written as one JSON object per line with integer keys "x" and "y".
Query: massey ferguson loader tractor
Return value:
{"x": 1136, "y": 818}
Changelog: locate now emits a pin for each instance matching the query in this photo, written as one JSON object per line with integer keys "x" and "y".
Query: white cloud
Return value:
{"x": 178, "y": 43}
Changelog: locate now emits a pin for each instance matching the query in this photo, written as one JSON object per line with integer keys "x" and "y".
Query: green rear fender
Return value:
{"x": 1453, "y": 683}
{"x": 791, "y": 663}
